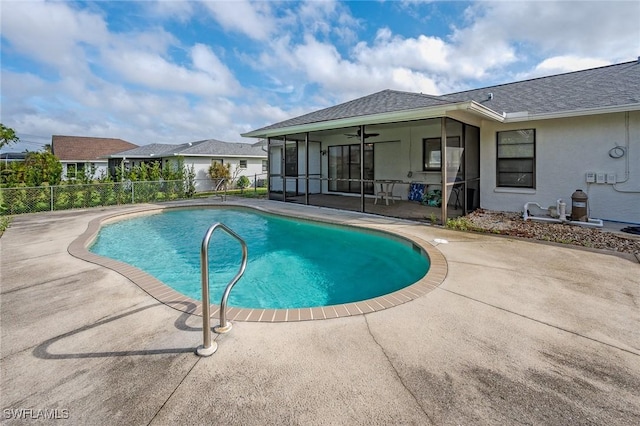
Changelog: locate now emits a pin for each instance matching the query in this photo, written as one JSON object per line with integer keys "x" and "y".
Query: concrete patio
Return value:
{"x": 518, "y": 332}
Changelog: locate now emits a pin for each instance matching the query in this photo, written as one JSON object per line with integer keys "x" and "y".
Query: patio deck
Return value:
{"x": 518, "y": 332}
{"x": 401, "y": 209}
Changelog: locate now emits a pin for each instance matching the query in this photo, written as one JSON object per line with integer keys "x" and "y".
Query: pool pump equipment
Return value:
{"x": 579, "y": 202}
{"x": 558, "y": 213}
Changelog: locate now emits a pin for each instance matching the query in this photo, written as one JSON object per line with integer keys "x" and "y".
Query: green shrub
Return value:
{"x": 243, "y": 182}
{"x": 461, "y": 224}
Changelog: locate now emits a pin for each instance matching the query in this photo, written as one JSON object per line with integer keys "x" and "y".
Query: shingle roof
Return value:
{"x": 144, "y": 151}
{"x": 208, "y": 147}
{"x": 224, "y": 149}
{"x": 80, "y": 148}
{"x": 377, "y": 103}
{"x": 613, "y": 85}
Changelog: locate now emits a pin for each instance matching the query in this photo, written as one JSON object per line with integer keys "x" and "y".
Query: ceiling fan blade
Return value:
{"x": 366, "y": 135}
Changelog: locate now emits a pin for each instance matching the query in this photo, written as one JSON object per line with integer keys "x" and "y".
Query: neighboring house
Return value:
{"x": 79, "y": 154}
{"x": 10, "y": 157}
{"x": 244, "y": 159}
{"x": 530, "y": 141}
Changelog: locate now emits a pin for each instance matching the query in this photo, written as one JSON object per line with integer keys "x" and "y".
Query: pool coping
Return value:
{"x": 164, "y": 294}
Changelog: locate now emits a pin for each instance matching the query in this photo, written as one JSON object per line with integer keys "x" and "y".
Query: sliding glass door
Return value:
{"x": 344, "y": 168}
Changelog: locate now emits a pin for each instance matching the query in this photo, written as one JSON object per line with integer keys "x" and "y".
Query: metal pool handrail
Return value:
{"x": 208, "y": 347}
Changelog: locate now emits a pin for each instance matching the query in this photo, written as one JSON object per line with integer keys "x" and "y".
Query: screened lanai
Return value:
{"x": 393, "y": 169}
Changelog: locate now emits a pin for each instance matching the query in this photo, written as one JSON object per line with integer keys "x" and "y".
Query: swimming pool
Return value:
{"x": 292, "y": 263}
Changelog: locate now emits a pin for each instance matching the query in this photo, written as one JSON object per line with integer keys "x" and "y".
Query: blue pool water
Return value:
{"x": 291, "y": 263}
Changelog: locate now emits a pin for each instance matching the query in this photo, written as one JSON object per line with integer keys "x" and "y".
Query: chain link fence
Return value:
{"x": 63, "y": 197}
{"x": 71, "y": 196}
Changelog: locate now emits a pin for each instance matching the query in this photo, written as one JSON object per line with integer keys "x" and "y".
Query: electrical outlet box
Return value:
{"x": 611, "y": 178}
{"x": 590, "y": 177}
{"x": 600, "y": 178}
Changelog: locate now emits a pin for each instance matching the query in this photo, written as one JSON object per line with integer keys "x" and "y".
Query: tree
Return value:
{"x": 42, "y": 167}
{"x": 220, "y": 171}
{"x": 7, "y": 136}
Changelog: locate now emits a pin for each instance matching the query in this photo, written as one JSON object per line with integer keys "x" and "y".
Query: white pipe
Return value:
{"x": 561, "y": 207}
{"x": 597, "y": 223}
{"x": 627, "y": 171}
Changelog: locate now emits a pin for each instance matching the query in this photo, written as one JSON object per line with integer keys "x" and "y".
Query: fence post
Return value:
{"x": 51, "y": 192}
{"x": 133, "y": 200}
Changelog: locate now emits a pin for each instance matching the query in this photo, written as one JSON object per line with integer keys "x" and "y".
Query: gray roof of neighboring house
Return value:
{"x": 13, "y": 156}
{"x": 145, "y": 151}
{"x": 204, "y": 148}
{"x": 613, "y": 85}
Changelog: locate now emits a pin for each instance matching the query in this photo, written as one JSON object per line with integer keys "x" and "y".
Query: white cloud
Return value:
{"x": 346, "y": 79}
{"x": 142, "y": 66}
{"x": 51, "y": 32}
{"x": 590, "y": 29}
{"x": 251, "y": 19}
{"x": 179, "y": 10}
{"x": 420, "y": 54}
{"x": 562, "y": 64}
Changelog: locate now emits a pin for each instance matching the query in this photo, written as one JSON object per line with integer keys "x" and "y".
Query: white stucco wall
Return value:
{"x": 201, "y": 166}
{"x": 565, "y": 150}
{"x": 100, "y": 168}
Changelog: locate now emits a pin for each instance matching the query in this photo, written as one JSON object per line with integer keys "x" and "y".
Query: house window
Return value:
{"x": 243, "y": 164}
{"x": 264, "y": 166}
{"x": 217, "y": 161}
{"x": 431, "y": 154}
{"x": 75, "y": 170}
{"x": 516, "y": 158}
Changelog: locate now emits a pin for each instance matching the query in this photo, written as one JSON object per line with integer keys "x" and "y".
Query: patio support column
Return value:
{"x": 268, "y": 168}
{"x": 283, "y": 170}
{"x": 443, "y": 168}
{"x": 306, "y": 168}
{"x": 362, "y": 169}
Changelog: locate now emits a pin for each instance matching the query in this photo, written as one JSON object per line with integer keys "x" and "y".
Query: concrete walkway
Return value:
{"x": 518, "y": 332}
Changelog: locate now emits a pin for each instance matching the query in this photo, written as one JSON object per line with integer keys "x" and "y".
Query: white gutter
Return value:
{"x": 221, "y": 155}
{"x": 515, "y": 117}
{"x": 434, "y": 112}
{"x": 388, "y": 117}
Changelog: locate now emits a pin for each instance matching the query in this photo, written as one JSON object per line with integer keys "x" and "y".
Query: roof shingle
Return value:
{"x": 207, "y": 147}
{"x": 81, "y": 148}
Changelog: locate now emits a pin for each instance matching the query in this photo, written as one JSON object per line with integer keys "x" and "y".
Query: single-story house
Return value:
{"x": 248, "y": 160}
{"x": 496, "y": 147}
{"x": 10, "y": 157}
{"x": 79, "y": 154}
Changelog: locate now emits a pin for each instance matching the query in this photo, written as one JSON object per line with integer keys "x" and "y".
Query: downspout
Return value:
{"x": 362, "y": 169}
{"x": 627, "y": 171}
{"x": 306, "y": 169}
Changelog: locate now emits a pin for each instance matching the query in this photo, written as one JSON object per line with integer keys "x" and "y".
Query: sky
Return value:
{"x": 181, "y": 71}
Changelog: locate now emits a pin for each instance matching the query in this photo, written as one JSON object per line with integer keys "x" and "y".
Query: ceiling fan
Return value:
{"x": 366, "y": 135}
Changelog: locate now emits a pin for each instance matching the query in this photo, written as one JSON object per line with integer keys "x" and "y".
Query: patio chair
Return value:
{"x": 455, "y": 193}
